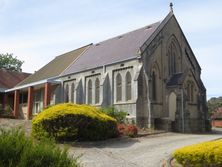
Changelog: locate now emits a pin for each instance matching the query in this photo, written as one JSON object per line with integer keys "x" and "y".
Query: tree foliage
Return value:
{"x": 8, "y": 62}
{"x": 214, "y": 103}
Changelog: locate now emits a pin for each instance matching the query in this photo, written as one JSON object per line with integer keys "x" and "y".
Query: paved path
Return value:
{"x": 139, "y": 152}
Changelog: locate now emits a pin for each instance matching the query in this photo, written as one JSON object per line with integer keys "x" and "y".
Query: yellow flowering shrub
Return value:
{"x": 202, "y": 154}
{"x": 71, "y": 122}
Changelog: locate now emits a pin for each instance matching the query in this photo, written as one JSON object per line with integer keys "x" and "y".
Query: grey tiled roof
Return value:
{"x": 120, "y": 48}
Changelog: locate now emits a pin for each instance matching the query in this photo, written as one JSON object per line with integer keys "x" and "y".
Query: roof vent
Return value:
{"x": 148, "y": 27}
{"x": 119, "y": 37}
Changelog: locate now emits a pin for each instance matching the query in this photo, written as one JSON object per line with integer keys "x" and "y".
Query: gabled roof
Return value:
{"x": 117, "y": 49}
{"x": 8, "y": 79}
{"x": 124, "y": 47}
{"x": 55, "y": 67}
{"x": 175, "y": 80}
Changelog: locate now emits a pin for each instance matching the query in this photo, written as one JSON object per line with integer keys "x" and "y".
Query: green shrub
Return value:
{"x": 69, "y": 122}
{"x": 17, "y": 150}
{"x": 120, "y": 116}
{"x": 202, "y": 154}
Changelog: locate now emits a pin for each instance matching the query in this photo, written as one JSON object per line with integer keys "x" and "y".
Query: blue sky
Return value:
{"x": 38, "y": 30}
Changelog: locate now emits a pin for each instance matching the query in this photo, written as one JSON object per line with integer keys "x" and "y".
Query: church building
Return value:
{"x": 151, "y": 73}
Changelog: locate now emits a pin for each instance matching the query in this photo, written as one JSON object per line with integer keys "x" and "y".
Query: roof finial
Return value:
{"x": 171, "y": 7}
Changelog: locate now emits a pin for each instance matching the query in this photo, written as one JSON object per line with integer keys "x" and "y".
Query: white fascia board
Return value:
{"x": 34, "y": 84}
{"x": 2, "y": 90}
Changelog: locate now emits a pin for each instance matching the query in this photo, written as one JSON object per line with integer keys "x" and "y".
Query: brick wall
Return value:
{"x": 217, "y": 123}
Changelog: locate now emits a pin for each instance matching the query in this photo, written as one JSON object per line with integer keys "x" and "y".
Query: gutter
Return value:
{"x": 56, "y": 78}
{"x": 50, "y": 80}
{"x": 102, "y": 66}
{"x": 2, "y": 90}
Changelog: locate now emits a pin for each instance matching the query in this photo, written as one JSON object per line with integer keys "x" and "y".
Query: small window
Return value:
{"x": 97, "y": 91}
{"x": 90, "y": 92}
{"x": 153, "y": 86}
{"x": 118, "y": 87}
{"x": 190, "y": 91}
{"x": 128, "y": 86}
{"x": 67, "y": 93}
{"x": 172, "y": 54}
{"x": 72, "y": 92}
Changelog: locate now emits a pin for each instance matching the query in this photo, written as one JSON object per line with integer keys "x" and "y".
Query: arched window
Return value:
{"x": 128, "y": 86}
{"x": 90, "y": 92}
{"x": 118, "y": 87}
{"x": 153, "y": 86}
{"x": 97, "y": 90}
{"x": 67, "y": 93}
{"x": 72, "y": 92}
{"x": 172, "y": 53}
{"x": 190, "y": 91}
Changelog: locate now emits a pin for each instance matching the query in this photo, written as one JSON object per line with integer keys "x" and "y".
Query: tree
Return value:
{"x": 214, "y": 103}
{"x": 8, "y": 62}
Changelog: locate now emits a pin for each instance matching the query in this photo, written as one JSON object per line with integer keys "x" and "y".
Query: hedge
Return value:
{"x": 69, "y": 122}
{"x": 203, "y": 154}
{"x": 18, "y": 150}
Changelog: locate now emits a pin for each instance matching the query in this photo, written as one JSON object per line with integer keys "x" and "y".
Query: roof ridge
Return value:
{"x": 39, "y": 73}
{"x": 87, "y": 47}
{"x": 73, "y": 50}
{"x": 18, "y": 72}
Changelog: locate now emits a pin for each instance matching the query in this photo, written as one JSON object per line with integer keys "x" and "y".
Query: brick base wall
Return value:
{"x": 217, "y": 123}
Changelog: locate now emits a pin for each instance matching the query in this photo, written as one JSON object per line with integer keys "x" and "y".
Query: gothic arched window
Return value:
{"x": 172, "y": 55}
{"x": 118, "y": 87}
{"x": 67, "y": 93}
{"x": 190, "y": 91}
{"x": 128, "y": 86}
{"x": 72, "y": 92}
{"x": 89, "y": 92}
{"x": 97, "y": 91}
{"x": 153, "y": 86}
